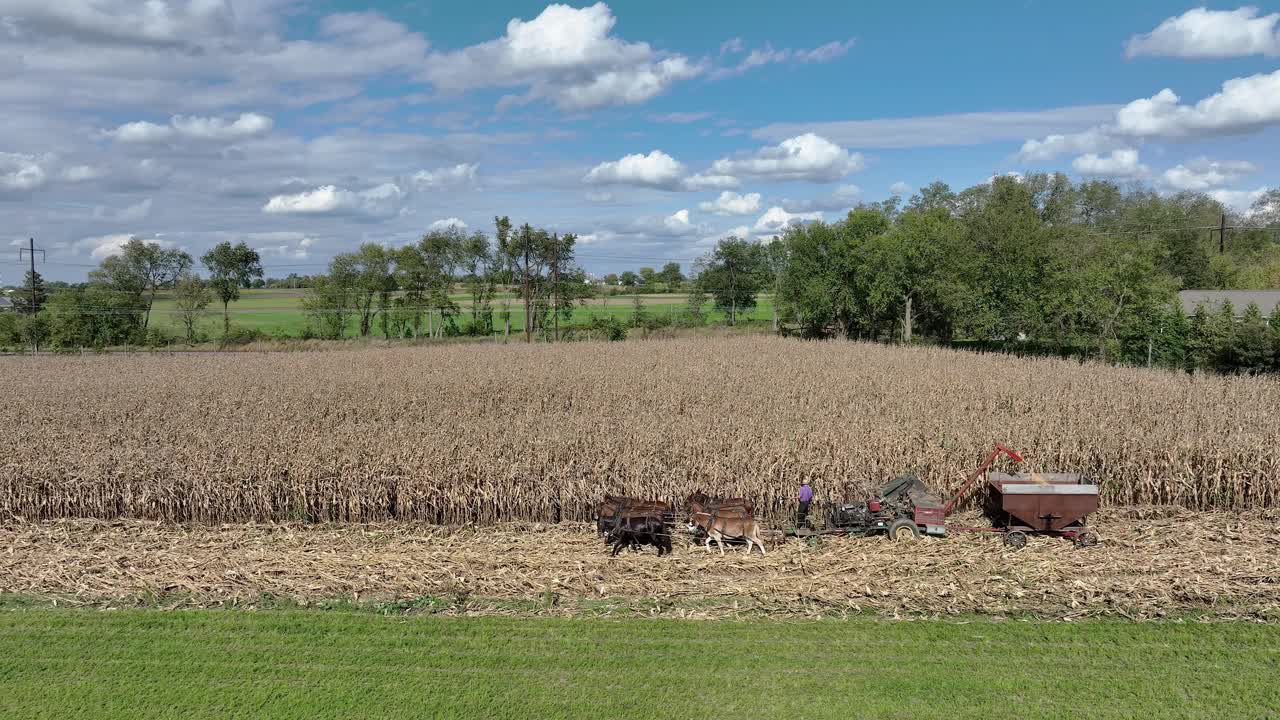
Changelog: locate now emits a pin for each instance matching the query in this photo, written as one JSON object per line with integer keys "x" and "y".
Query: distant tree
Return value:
{"x": 629, "y": 279}
{"x": 648, "y": 276}
{"x": 611, "y": 279}
{"x": 733, "y": 273}
{"x": 23, "y": 296}
{"x": 671, "y": 276}
{"x": 142, "y": 269}
{"x": 231, "y": 267}
{"x": 694, "y": 306}
{"x": 192, "y": 296}
{"x": 1253, "y": 341}
{"x": 477, "y": 262}
{"x": 638, "y": 312}
{"x": 332, "y": 300}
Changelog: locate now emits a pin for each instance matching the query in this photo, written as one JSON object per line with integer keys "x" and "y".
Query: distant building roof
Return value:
{"x": 1266, "y": 300}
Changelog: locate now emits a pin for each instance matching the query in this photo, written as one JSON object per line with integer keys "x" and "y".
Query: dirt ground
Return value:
{"x": 1151, "y": 563}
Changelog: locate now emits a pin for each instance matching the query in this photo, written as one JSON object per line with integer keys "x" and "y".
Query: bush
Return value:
{"x": 612, "y": 328}
{"x": 243, "y": 336}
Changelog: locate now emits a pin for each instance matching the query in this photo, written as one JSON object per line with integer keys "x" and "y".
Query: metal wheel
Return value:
{"x": 1015, "y": 539}
{"x": 1086, "y": 538}
{"x": 903, "y": 530}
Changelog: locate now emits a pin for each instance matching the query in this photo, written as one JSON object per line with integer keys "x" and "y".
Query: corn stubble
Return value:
{"x": 487, "y": 434}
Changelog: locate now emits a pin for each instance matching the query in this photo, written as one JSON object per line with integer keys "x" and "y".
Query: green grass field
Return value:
{"x": 279, "y": 312}
{"x": 57, "y": 663}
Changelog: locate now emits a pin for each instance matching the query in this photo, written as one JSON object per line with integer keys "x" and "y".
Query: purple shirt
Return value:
{"x": 806, "y": 493}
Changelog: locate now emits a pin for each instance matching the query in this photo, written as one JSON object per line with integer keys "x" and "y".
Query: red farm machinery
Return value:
{"x": 1018, "y": 505}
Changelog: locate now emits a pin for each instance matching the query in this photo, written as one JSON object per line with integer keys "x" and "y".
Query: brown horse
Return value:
{"x": 721, "y": 524}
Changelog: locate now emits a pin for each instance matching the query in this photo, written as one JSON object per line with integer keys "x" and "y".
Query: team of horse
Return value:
{"x": 627, "y": 522}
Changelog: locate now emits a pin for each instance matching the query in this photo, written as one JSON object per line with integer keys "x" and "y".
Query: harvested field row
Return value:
{"x": 489, "y": 434}
{"x": 1149, "y": 565}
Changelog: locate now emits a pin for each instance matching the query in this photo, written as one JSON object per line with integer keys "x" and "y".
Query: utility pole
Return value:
{"x": 1222, "y": 234}
{"x": 528, "y": 331}
{"x": 31, "y": 251}
{"x": 555, "y": 285}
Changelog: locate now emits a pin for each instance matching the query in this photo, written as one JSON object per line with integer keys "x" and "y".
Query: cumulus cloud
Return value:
{"x": 447, "y": 223}
{"x": 460, "y": 174}
{"x": 20, "y": 172}
{"x": 806, "y": 157}
{"x": 1204, "y": 33}
{"x": 767, "y": 55}
{"x": 1119, "y": 164}
{"x": 381, "y": 200}
{"x": 731, "y": 203}
{"x": 775, "y": 219}
{"x": 1242, "y": 200}
{"x": 1243, "y": 105}
{"x": 183, "y": 127}
{"x": 680, "y": 118}
{"x": 565, "y": 55}
{"x": 900, "y": 188}
{"x": 656, "y": 170}
{"x": 677, "y": 222}
{"x": 1202, "y": 174}
{"x": 104, "y": 246}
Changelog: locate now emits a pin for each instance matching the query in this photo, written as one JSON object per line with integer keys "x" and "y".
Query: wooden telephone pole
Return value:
{"x": 31, "y": 251}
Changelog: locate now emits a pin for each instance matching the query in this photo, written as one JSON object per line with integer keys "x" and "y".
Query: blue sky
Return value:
{"x": 651, "y": 129}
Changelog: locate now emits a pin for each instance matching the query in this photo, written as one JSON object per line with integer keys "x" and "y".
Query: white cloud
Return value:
{"x": 775, "y": 219}
{"x": 805, "y": 157}
{"x": 767, "y": 55}
{"x": 1121, "y": 163}
{"x": 460, "y": 174}
{"x": 1243, "y": 104}
{"x": 20, "y": 172}
{"x": 599, "y": 197}
{"x": 710, "y": 181}
{"x": 1089, "y": 141}
{"x": 565, "y": 55}
{"x": 656, "y": 170}
{"x": 731, "y": 203}
{"x": 1202, "y": 174}
{"x": 1204, "y": 33}
{"x": 288, "y": 245}
{"x": 1241, "y": 200}
{"x": 678, "y": 221}
{"x": 900, "y": 188}
{"x": 380, "y": 200}
{"x": 447, "y": 223}
{"x": 104, "y": 246}
{"x": 194, "y": 128}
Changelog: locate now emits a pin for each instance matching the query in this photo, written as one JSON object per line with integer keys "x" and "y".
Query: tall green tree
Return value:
{"x": 671, "y": 276}
{"x": 733, "y": 274}
{"x": 231, "y": 267}
{"x": 141, "y": 269}
{"x": 191, "y": 296}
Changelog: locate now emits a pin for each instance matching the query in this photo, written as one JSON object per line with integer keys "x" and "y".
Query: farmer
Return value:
{"x": 806, "y": 497}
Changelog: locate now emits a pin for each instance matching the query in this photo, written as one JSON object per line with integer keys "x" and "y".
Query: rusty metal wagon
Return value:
{"x": 1019, "y": 504}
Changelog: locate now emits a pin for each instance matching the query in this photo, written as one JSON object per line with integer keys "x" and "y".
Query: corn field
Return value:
{"x": 494, "y": 433}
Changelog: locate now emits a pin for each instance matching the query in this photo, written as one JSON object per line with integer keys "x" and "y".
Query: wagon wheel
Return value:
{"x": 903, "y": 530}
{"x": 1086, "y": 538}
{"x": 1015, "y": 539}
